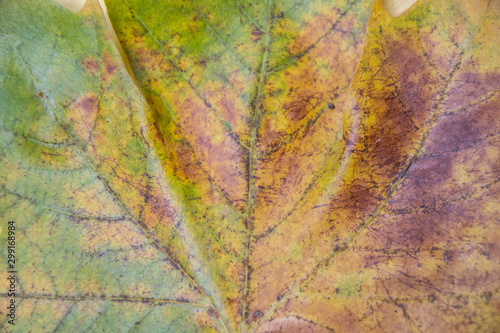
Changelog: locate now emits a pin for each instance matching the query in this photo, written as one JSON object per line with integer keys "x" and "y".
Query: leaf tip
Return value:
{"x": 72, "y": 5}
{"x": 396, "y": 7}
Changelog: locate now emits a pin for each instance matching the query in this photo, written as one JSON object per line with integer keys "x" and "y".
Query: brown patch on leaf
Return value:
{"x": 158, "y": 209}
{"x": 82, "y": 114}
{"x": 148, "y": 59}
{"x": 256, "y": 35}
{"x": 91, "y": 65}
{"x": 109, "y": 67}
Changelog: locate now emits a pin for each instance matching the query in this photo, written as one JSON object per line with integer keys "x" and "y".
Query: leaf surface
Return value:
{"x": 79, "y": 178}
{"x": 273, "y": 169}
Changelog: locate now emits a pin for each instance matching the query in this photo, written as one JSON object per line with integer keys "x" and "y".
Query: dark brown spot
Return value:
{"x": 256, "y": 35}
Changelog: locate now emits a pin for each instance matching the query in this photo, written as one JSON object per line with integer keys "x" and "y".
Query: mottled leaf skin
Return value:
{"x": 81, "y": 178}
{"x": 251, "y": 101}
{"x": 331, "y": 173}
{"x": 276, "y": 171}
{"x": 414, "y": 221}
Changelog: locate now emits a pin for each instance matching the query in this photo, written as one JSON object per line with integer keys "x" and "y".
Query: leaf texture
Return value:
{"x": 76, "y": 171}
{"x": 280, "y": 166}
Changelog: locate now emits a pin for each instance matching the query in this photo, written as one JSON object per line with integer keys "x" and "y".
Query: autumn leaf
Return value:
{"x": 299, "y": 166}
